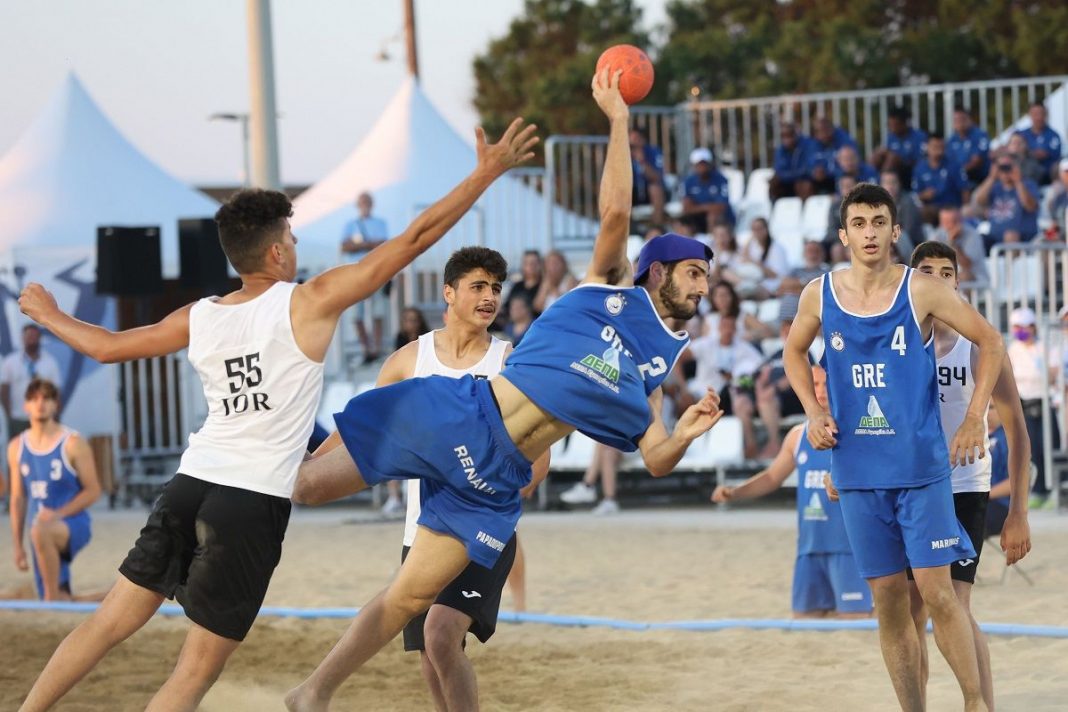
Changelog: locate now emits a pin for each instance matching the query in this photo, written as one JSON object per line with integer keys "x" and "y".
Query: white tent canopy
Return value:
{"x": 411, "y": 158}
{"x": 72, "y": 171}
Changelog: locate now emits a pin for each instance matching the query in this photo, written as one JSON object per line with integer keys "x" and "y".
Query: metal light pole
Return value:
{"x": 246, "y": 177}
{"x": 263, "y": 115}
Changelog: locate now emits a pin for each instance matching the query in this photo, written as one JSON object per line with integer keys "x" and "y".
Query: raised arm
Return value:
{"x": 1016, "y": 534}
{"x": 164, "y": 337}
{"x": 617, "y": 182}
{"x": 931, "y": 297}
{"x": 806, "y": 327}
{"x": 328, "y": 294}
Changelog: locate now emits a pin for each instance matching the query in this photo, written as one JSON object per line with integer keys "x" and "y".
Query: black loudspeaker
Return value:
{"x": 128, "y": 261}
{"x": 201, "y": 255}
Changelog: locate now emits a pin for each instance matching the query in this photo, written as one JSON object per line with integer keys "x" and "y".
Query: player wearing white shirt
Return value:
{"x": 971, "y": 481}
{"x": 215, "y": 534}
{"x": 473, "y": 278}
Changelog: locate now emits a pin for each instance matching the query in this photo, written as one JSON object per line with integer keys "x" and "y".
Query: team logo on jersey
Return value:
{"x": 614, "y": 303}
{"x": 815, "y": 512}
{"x": 24, "y": 469}
{"x": 603, "y": 369}
{"x": 837, "y": 342}
{"x": 874, "y": 423}
{"x": 802, "y": 458}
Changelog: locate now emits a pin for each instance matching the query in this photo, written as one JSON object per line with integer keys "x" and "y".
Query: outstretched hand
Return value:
{"x": 515, "y": 147}
{"x": 605, "y": 87}
{"x": 699, "y": 418}
{"x": 36, "y": 302}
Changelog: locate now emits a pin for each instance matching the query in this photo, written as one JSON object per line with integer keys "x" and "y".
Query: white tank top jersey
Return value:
{"x": 427, "y": 364}
{"x": 262, "y": 391}
{"x": 955, "y": 387}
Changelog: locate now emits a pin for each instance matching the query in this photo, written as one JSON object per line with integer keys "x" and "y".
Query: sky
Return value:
{"x": 159, "y": 69}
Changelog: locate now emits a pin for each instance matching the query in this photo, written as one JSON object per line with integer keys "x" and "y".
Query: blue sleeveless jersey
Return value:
{"x": 592, "y": 359}
{"x": 820, "y": 529}
{"x": 48, "y": 479}
{"x": 883, "y": 395}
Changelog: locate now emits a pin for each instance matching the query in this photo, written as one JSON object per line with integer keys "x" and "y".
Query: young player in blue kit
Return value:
{"x": 593, "y": 362}
{"x": 826, "y": 580}
{"x": 889, "y": 459}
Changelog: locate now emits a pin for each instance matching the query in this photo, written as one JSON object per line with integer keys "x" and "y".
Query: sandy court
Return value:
{"x": 649, "y": 565}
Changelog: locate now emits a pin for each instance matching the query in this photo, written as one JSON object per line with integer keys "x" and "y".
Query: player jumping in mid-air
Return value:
{"x": 215, "y": 534}
{"x": 593, "y": 362}
{"x": 473, "y": 277}
{"x": 890, "y": 461}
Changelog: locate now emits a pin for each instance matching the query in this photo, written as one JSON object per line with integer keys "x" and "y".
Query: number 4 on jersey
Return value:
{"x": 898, "y": 342}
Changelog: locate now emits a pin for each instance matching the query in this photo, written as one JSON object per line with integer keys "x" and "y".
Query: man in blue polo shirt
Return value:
{"x": 1012, "y": 203}
{"x": 823, "y": 148}
{"x": 791, "y": 165}
{"x": 849, "y": 164}
{"x": 903, "y": 148}
{"x": 938, "y": 181}
{"x": 969, "y": 147}
{"x": 1043, "y": 143}
{"x": 705, "y": 198}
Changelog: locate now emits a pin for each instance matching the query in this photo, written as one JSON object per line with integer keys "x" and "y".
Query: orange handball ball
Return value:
{"x": 637, "y": 77}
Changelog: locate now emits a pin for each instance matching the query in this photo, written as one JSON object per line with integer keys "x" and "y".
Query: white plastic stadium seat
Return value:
{"x": 735, "y": 185}
{"x": 786, "y": 227}
{"x": 768, "y": 311}
{"x": 1022, "y": 281}
{"x": 815, "y": 217}
{"x": 335, "y": 396}
{"x": 756, "y": 190}
{"x": 575, "y": 456}
{"x": 724, "y": 447}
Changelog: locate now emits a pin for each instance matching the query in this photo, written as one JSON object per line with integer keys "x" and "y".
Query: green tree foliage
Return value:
{"x": 745, "y": 48}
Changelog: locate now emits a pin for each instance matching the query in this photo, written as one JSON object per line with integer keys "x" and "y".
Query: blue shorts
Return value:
{"x": 829, "y": 582}
{"x": 448, "y": 433}
{"x": 80, "y": 534}
{"x": 890, "y": 529}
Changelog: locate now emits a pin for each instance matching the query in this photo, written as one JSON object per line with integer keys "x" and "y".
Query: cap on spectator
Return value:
{"x": 700, "y": 154}
{"x": 670, "y": 247}
{"x": 1023, "y": 316}
{"x": 1064, "y": 165}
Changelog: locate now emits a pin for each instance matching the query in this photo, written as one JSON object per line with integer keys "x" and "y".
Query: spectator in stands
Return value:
{"x": 726, "y": 362}
{"x": 604, "y": 465}
{"x": 763, "y": 253}
{"x": 903, "y": 148}
{"x": 792, "y": 157}
{"x": 725, "y": 303}
{"x": 1030, "y": 168}
{"x": 413, "y": 325}
{"x": 529, "y": 283}
{"x": 20, "y": 367}
{"x": 846, "y": 183}
{"x": 908, "y": 214}
{"x": 849, "y": 164}
{"x": 520, "y": 317}
{"x": 725, "y": 248}
{"x": 1043, "y": 143}
{"x": 824, "y": 145}
{"x": 647, "y": 163}
{"x": 1010, "y": 203}
{"x": 839, "y": 257}
{"x": 969, "y": 147}
{"x": 775, "y": 399}
{"x": 362, "y": 234}
{"x": 971, "y": 253}
{"x": 938, "y": 181}
{"x": 1057, "y": 201}
{"x": 706, "y": 198}
{"x": 812, "y": 267}
{"x": 556, "y": 281}
{"x": 1033, "y": 378}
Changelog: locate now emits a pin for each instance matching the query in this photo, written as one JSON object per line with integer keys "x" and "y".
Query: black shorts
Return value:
{"x": 970, "y": 508}
{"x": 212, "y": 548}
{"x": 475, "y": 592}
{"x": 789, "y": 403}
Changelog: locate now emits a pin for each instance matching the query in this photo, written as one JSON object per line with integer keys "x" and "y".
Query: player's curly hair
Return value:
{"x": 249, "y": 222}
{"x": 466, "y": 259}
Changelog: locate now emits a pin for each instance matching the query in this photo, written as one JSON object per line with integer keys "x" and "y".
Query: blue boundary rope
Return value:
{"x": 1007, "y": 629}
